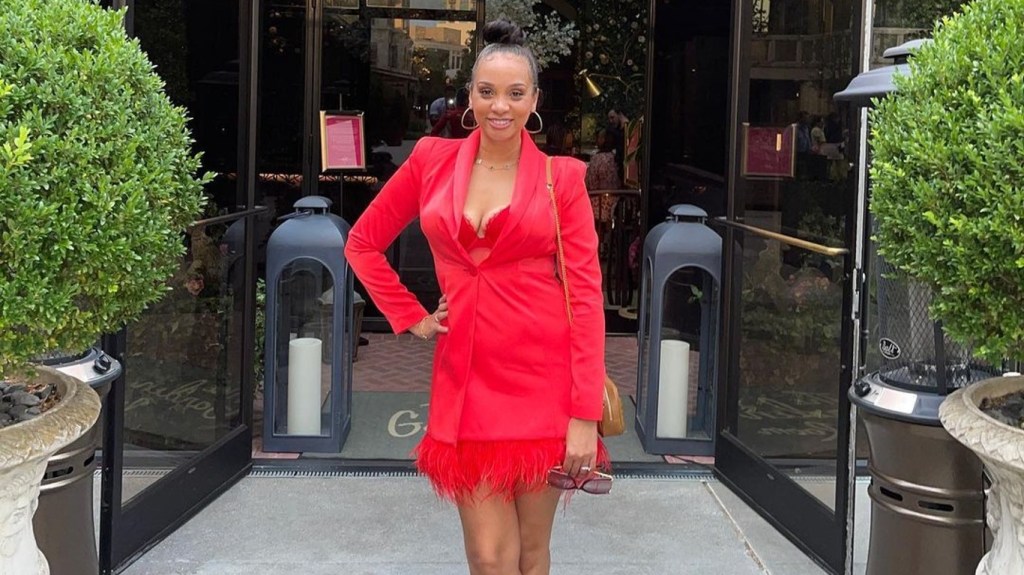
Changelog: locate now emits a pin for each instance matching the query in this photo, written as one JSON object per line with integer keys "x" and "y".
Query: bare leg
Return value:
{"x": 536, "y": 517}
{"x": 490, "y": 528}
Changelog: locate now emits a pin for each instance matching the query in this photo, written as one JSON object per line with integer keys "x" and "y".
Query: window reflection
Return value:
{"x": 898, "y": 21}
{"x": 416, "y": 68}
{"x": 184, "y": 356}
{"x": 196, "y": 54}
{"x": 801, "y": 54}
{"x": 790, "y": 360}
{"x": 796, "y": 156}
{"x": 392, "y": 69}
{"x": 183, "y": 359}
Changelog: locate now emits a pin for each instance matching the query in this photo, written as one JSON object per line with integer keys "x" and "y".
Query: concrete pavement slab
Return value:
{"x": 775, "y": 551}
{"x": 385, "y": 525}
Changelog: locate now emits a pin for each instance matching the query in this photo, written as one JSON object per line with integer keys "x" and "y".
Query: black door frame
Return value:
{"x": 823, "y": 534}
{"x": 814, "y": 527}
{"x": 129, "y": 529}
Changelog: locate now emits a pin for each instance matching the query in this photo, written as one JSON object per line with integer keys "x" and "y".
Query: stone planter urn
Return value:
{"x": 1001, "y": 448}
{"x": 24, "y": 451}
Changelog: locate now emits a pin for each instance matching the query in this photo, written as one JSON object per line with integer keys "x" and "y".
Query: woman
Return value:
{"x": 818, "y": 134}
{"x": 603, "y": 174}
{"x": 452, "y": 118}
{"x": 558, "y": 141}
{"x": 602, "y": 170}
{"x": 515, "y": 391}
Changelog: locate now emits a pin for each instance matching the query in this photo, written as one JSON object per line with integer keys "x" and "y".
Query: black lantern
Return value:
{"x": 678, "y": 328}
{"x": 308, "y": 391}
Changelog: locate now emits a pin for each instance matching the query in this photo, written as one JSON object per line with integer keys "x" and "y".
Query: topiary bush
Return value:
{"x": 948, "y": 175}
{"x": 97, "y": 178}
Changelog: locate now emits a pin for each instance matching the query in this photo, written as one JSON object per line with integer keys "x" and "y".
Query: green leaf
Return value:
{"x": 98, "y": 177}
{"x": 948, "y": 174}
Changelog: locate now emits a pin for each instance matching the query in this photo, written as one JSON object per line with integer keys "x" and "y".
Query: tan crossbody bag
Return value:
{"x": 613, "y": 422}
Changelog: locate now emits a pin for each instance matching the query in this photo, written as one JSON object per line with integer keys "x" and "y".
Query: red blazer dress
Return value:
{"x": 510, "y": 368}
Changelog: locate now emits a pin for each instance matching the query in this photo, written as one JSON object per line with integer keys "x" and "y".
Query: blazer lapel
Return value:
{"x": 460, "y": 181}
{"x": 529, "y": 180}
{"x": 459, "y": 189}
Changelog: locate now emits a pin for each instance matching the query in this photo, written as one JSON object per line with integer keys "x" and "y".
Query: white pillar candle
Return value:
{"x": 673, "y": 389}
{"x": 304, "y": 386}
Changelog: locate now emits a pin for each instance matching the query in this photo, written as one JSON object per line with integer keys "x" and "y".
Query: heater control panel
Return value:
{"x": 872, "y": 394}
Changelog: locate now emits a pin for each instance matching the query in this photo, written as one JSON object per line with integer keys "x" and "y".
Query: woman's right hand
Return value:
{"x": 431, "y": 325}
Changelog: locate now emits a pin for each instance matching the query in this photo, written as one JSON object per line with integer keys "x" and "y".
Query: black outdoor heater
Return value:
{"x": 927, "y": 499}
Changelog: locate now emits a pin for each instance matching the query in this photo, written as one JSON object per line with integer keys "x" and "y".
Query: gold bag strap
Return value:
{"x": 558, "y": 242}
{"x": 606, "y": 401}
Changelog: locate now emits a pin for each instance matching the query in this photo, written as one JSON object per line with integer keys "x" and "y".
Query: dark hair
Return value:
{"x": 503, "y": 31}
{"x": 555, "y": 136}
{"x": 610, "y": 142}
{"x": 504, "y": 36}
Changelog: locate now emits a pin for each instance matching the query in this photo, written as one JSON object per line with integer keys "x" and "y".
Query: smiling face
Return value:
{"x": 503, "y": 96}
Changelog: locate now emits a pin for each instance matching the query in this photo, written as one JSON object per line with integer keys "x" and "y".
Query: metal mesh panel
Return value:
{"x": 916, "y": 352}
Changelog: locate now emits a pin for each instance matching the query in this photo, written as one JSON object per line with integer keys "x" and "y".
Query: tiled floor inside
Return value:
{"x": 401, "y": 363}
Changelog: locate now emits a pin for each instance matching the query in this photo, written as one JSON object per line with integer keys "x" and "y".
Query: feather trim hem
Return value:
{"x": 510, "y": 468}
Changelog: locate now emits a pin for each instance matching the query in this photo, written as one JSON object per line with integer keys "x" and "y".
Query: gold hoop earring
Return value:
{"x": 464, "y": 126}
{"x": 539, "y": 121}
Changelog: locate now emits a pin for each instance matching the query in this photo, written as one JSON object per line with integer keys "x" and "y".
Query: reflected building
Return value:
{"x": 448, "y": 42}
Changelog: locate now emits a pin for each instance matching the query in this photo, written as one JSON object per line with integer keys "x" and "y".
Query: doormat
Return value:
{"x": 389, "y": 425}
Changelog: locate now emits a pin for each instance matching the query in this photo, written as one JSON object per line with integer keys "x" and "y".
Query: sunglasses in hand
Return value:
{"x": 594, "y": 482}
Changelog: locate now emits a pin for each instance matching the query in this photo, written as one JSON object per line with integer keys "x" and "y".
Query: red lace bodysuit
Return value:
{"x": 480, "y": 246}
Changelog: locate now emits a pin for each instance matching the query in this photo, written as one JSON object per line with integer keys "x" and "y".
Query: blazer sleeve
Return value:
{"x": 388, "y": 214}
{"x": 579, "y": 241}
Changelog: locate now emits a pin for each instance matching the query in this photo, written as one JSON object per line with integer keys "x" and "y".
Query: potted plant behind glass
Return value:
{"x": 948, "y": 193}
{"x": 97, "y": 181}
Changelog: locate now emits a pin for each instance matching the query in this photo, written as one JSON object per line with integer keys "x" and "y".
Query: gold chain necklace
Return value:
{"x": 499, "y": 167}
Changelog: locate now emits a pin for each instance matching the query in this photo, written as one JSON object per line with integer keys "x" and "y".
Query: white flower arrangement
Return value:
{"x": 550, "y": 37}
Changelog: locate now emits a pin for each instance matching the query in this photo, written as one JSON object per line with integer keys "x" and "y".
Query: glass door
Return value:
{"x": 402, "y": 64}
{"x": 399, "y": 62}
{"x": 784, "y": 438}
{"x": 177, "y": 430}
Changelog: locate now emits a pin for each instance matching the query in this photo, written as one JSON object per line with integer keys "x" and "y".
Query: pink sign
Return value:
{"x": 769, "y": 151}
{"x": 341, "y": 141}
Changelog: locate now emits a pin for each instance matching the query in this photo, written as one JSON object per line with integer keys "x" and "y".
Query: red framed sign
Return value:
{"x": 769, "y": 152}
{"x": 341, "y": 141}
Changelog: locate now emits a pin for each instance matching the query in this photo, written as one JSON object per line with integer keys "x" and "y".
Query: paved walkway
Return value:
{"x": 394, "y": 525}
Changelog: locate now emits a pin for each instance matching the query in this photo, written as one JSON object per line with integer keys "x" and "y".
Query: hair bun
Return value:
{"x": 503, "y": 32}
